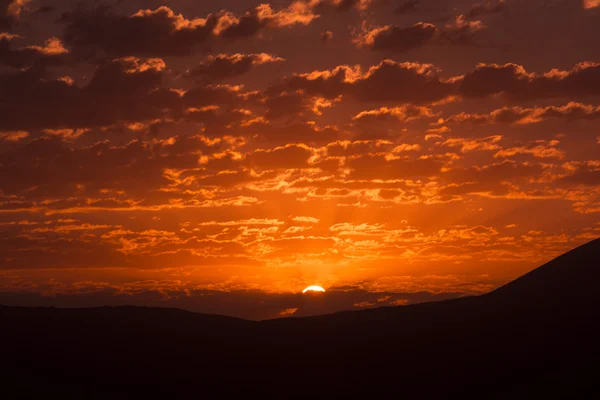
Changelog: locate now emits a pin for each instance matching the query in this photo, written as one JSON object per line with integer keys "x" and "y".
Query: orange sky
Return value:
{"x": 222, "y": 156}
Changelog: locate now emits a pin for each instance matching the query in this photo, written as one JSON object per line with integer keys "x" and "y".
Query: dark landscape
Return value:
{"x": 536, "y": 337}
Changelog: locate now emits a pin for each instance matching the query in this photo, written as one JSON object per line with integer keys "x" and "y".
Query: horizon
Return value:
{"x": 221, "y": 157}
{"x": 313, "y": 303}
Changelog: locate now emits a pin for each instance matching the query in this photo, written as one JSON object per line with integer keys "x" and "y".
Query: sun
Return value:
{"x": 313, "y": 289}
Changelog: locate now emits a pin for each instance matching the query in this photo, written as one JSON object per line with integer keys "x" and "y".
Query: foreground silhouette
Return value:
{"x": 537, "y": 337}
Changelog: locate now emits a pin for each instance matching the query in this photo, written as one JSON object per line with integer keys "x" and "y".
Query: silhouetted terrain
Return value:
{"x": 537, "y": 337}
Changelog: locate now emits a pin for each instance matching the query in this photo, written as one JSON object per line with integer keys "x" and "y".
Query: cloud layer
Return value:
{"x": 222, "y": 157}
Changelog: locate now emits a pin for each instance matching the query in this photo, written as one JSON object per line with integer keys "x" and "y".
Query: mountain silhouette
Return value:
{"x": 573, "y": 276}
{"x": 536, "y": 337}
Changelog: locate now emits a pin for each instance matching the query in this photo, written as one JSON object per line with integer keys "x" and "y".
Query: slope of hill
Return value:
{"x": 535, "y": 337}
{"x": 574, "y": 276}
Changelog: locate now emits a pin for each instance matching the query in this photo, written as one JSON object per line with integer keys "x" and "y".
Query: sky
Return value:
{"x": 221, "y": 156}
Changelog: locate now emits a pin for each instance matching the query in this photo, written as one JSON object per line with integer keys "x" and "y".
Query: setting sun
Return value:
{"x": 313, "y": 289}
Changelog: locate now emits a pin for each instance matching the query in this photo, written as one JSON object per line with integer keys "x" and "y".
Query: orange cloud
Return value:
{"x": 467, "y": 145}
{"x": 519, "y": 115}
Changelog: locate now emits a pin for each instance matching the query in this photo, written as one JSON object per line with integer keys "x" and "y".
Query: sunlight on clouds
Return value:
{"x": 202, "y": 154}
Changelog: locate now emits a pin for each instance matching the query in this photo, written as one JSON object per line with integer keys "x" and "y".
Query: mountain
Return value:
{"x": 536, "y": 337}
{"x": 573, "y": 276}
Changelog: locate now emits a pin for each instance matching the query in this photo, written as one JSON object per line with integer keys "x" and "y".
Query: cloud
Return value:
{"x": 486, "y": 7}
{"x": 265, "y": 134}
{"x": 539, "y": 149}
{"x": 461, "y": 31}
{"x": 309, "y": 220}
{"x": 125, "y": 89}
{"x": 231, "y": 26}
{"x": 348, "y": 229}
{"x": 517, "y": 84}
{"x": 293, "y": 103}
{"x": 405, "y": 113}
{"x": 297, "y": 229}
{"x": 519, "y": 115}
{"x": 223, "y": 66}
{"x": 66, "y": 134}
{"x": 50, "y": 167}
{"x": 122, "y": 89}
{"x": 158, "y": 32}
{"x": 10, "y": 10}
{"x": 384, "y": 167}
{"x": 46, "y": 9}
{"x": 392, "y": 37}
{"x": 404, "y": 147}
{"x": 488, "y": 179}
{"x": 323, "y": 6}
{"x": 326, "y": 36}
{"x": 468, "y": 145}
{"x": 365, "y": 304}
{"x": 420, "y": 83}
{"x": 288, "y": 312}
{"x": 404, "y": 39}
{"x": 244, "y": 222}
{"x": 407, "y": 7}
{"x": 162, "y": 32}
{"x": 289, "y": 156}
{"x": 13, "y": 136}
{"x": 52, "y": 52}
{"x": 582, "y": 173}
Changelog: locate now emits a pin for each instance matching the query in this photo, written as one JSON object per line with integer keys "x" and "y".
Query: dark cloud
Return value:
{"x": 261, "y": 17}
{"x": 489, "y": 178}
{"x": 326, "y": 36}
{"x": 9, "y": 13}
{"x": 516, "y": 83}
{"x": 158, "y": 32}
{"x": 421, "y": 83}
{"x": 404, "y": 39}
{"x": 245, "y": 26}
{"x": 585, "y": 173}
{"x": 323, "y": 6}
{"x": 50, "y": 167}
{"x": 399, "y": 39}
{"x": 5, "y": 18}
{"x": 416, "y": 83}
{"x": 406, "y": 7}
{"x": 290, "y": 156}
{"x": 520, "y": 115}
{"x": 123, "y": 90}
{"x": 214, "y": 117}
{"x": 119, "y": 90}
{"x": 225, "y": 66}
{"x": 460, "y": 32}
{"x": 378, "y": 167}
{"x": 52, "y": 53}
{"x": 162, "y": 32}
{"x": 487, "y": 7}
{"x": 405, "y": 113}
{"x": 286, "y": 104}
{"x": 268, "y": 135}
{"x": 47, "y": 9}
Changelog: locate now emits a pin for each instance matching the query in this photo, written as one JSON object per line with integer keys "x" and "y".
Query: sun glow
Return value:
{"x": 313, "y": 289}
